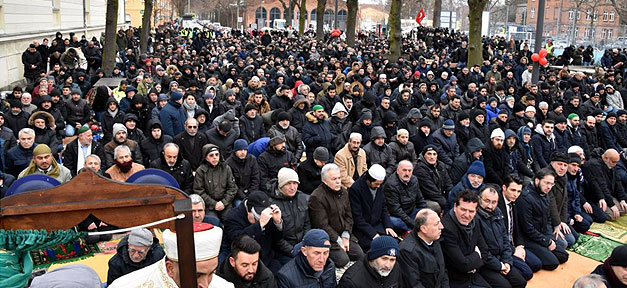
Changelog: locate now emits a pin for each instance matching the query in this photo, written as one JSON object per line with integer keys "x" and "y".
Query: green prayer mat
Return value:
{"x": 621, "y": 223}
{"x": 610, "y": 231}
{"x": 597, "y": 248}
{"x": 62, "y": 253}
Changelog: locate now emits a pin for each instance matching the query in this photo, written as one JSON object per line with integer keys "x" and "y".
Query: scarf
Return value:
{"x": 54, "y": 172}
{"x": 611, "y": 277}
{"x": 467, "y": 228}
{"x": 112, "y": 113}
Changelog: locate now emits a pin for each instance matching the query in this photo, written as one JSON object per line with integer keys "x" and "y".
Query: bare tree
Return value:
{"x": 320, "y": 19}
{"x": 395, "y": 36}
{"x": 437, "y": 10}
{"x": 621, "y": 9}
{"x": 289, "y": 8}
{"x": 111, "y": 22}
{"x": 143, "y": 41}
{"x": 475, "y": 48}
{"x": 351, "y": 21}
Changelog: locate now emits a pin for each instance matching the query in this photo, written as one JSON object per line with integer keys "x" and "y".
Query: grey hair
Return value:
{"x": 196, "y": 199}
{"x": 589, "y": 281}
{"x": 303, "y": 86}
{"x": 121, "y": 147}
{"x": 324, "y": 173}
{"x": 93, "y": 156}
{"x": 168, "y": 145}
{"x": 421, "y": 218}
{"x": 28, "y": 131}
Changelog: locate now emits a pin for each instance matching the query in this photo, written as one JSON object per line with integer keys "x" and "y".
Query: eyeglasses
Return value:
{"x": 140, "y": 252}
{"x": 192, "y": 127}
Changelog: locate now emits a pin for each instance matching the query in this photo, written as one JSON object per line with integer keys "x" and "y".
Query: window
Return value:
{"x": 571, "y": 15}
{"x": 588, "y": 15}
{"x": 609, "y": 33}
{"x": 532, "y": 13}
{"x": 596, "y": 15}
{"x": 603, "y": 33}
{"x": 606, "y": 16}
{"x": 578, "y": 15}
{"x": 611, "y": 16}
{"x": 275, "y": 13}
{"x": 587, "y": 33}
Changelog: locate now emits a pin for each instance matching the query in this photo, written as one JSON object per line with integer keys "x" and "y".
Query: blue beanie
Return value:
{"x": 240, "y": 144}
{"x": 476, "y": 168}
{"x": 381, "y": 246}
{"x": 176, "y": 95}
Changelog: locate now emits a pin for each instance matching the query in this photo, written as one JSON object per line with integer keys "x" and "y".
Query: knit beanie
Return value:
{"x": 287, "y": 175}
{"x": 41, "y": 149}
{"x": 283, "y": 116}
{"x": 476, "y": 168}
{"x": 497, "y": 133}
{"x": 321, "y": 154}
{"x": 117, "y": 127}
{"x": 176, "y": 95}
{"x": 240, "y": 144}
{"x": 382, "y": 246}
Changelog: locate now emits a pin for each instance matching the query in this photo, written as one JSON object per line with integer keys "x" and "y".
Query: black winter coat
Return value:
{"x": 370, "y": 216}
{"x": 246, "y": 174}
{"x": 251, "y": 129}
{"x": 402, "y": 198}
{"x": 263, "y": 278}
{"x": 151, "y": 148}
{"x": 192, "y": 152}
{"x": 362, "y": 275}
{"x": 107, "y": 124}
{"x": 295, "y": 214}
{"x": 532, "y": 207}
{"x": 120, "y": 264}
{"x": 434, "y": 180}
{"x": 422, "y": 265}
{"x": 601, "y": 182}
{"x": 496, "y": 164}
{"x": 16, "y": 122}
{"x": 271, "y": 161}
{"x": 236, "y": 224}
{"x": 458, "y": 247}
{"x": 316, "y": 133}
{"x": 181, "y": 171}
{"x": 309, "y": 176}
{"x": 496, "y": 236}
{"x": 293, "y": 139}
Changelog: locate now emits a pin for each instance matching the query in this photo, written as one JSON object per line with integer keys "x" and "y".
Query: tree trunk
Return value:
{"x": 351, "y": 21}
{"x": 437, "y": 10}
{"x": 621, "y": 9}
{"x": 320, "y": 19}
{"x": 395, "y": 37}
{"x": 289, "y": 16}
{"x": 143, "y": 41}
{"x": 302, "y": 9}
{"x": 111, "y": 24}
{"x": 574, "y": 39}
{"x": 475, "y": 48}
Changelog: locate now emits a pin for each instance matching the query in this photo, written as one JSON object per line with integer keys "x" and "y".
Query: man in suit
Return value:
{"x": 76, "y": 152}
{"x": 524, "y": 260}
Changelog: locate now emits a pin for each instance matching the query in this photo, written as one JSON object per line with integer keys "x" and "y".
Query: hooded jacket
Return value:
{"x": 214, "y": 183}
{"x": 150, "y": 147}
{"x": 172, "y": 117}
{"x": 382, "y": 155}
{"x": 108, "y": 120}
{"x": 316, "y": 133}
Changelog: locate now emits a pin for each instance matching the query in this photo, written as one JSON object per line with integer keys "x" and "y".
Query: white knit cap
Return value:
{"x": 497, "y": 133}
{"x": 377, "y": 172}
{"x": 207, "y": 239}
{"x": 287, "y": 175}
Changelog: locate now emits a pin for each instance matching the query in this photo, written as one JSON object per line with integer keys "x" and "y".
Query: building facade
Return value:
{"x": 597, "y": 20}
{"x": 22, "y": 22}
{"x": 263, "y": 13}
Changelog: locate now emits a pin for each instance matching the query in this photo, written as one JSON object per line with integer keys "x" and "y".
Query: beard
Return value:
{"x": 383, "y": 271}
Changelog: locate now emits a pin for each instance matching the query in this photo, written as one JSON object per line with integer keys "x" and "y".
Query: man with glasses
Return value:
{"x": 135, "y": 251}
{"x": 191, "y": 143}
{"x": 535, "y": 222}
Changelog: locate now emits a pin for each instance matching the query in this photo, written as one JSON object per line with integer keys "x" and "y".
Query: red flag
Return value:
{"x": 420, "y": 16}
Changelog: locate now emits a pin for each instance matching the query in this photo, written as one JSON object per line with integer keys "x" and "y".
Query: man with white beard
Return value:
{"x": 377, "y": 269}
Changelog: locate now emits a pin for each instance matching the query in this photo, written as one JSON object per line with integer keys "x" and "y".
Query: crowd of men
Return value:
{"x": 311, "y": 154}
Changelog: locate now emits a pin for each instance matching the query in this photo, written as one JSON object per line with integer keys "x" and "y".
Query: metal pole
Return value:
{"x": 538, "y": 43}
{"x": 335, "y": 18}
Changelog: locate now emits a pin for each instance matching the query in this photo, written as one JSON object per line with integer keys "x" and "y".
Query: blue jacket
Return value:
{"x": 608, "y": 138}
{"x": 448, "y": 148}
{"x": 298, "y": 273}
{"x": 172, "y": 117}
{"x": 370, "y": 216}
{"x": 495, "y": 234}
{"x": 574, "y": 188}
{"x": 543, "y": 148}
{"x": 562, "y": 140}
{"x": 316, "y": 133}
